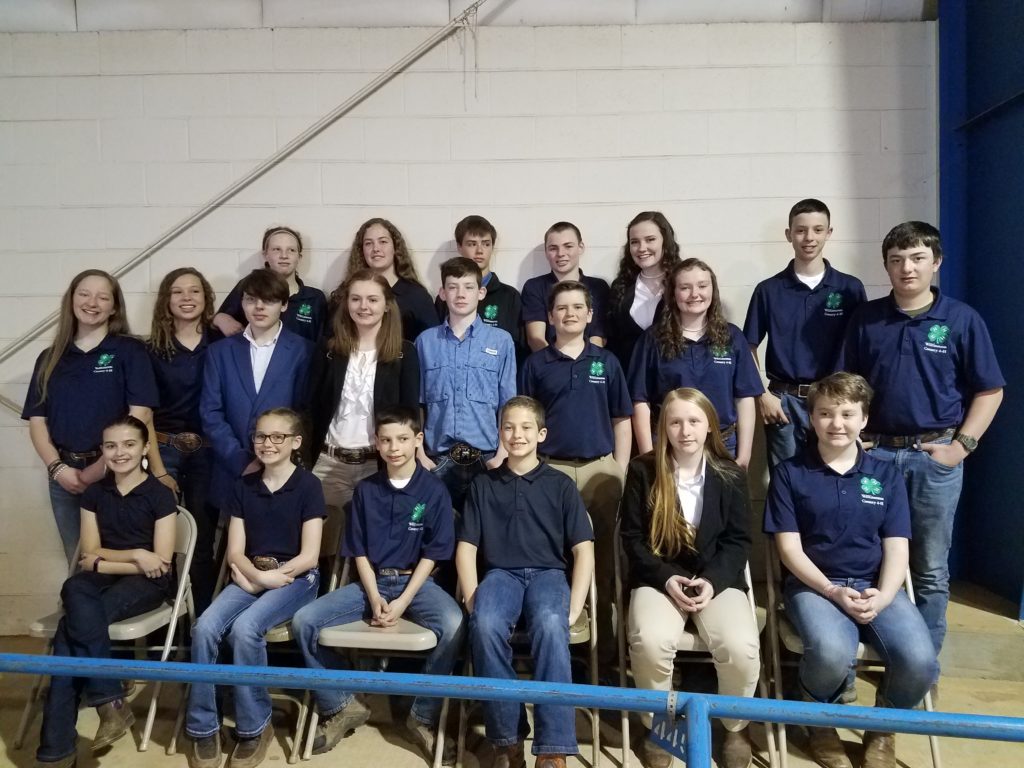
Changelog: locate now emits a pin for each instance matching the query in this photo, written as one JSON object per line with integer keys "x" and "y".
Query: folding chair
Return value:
{"x": 406, "y": 638}
{"x": 691, "y": 643}
{"x": 583, "y": 631}
{"x": 134, "y": 629}
{"x": 780, "y": 628}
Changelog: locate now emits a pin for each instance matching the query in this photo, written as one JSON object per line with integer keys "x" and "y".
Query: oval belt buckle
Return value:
{"x": 188, "y": 442}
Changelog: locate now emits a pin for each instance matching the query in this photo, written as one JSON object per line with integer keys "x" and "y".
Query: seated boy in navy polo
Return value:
{"x": 937, "y": 385}
{"x": 501, "y": 306}
{"x": 584, "y": 394}
{"x": 400, "y": 527}
{"x": 803, "y": 310}
{"x": 468, "y": 372}
{"x": 563, "y": 247}
{"x": 520, "y": 524}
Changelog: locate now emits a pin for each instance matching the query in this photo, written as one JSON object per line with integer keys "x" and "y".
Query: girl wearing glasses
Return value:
{"x": 276, "y": 519}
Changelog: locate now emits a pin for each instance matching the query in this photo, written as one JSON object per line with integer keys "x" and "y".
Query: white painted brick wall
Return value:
{"x": 107, "y": 139}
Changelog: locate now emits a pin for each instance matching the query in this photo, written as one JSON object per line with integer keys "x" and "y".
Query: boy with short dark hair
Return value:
{"x": 266, "y": 366}
{"x": 400, "y": 527}
{"x": 563, "y": 247}
{"x": 501, "y": 306}
{"x": 469, "y": 371}
{"x": 520, "y": 522}
{"x": 584, "y": 393}
{"x": 803, "y": 310}
{"x": 937, "y": 387}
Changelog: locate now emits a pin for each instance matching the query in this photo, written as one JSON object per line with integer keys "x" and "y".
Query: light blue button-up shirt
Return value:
{"x": 464, "y": 384}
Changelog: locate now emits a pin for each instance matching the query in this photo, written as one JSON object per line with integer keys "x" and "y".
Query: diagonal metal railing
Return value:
{"x": 696, "y": 709}
{"x": 283, "y": 153}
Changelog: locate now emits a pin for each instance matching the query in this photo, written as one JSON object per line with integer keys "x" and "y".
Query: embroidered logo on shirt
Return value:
{"x": 104, "y": 363}
{"x": 491, "y": 312}
{"x": 305, "y": 312}
{"x": 834, "y": 304}
{"x": 597, "y": 375}
{"x": 416, "y": 518}
{"x": 721, "y": 354}
{"x": 938, "y": 335}
{"x": 871, "y": 491}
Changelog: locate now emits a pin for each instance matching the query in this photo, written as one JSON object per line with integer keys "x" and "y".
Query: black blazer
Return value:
{"x": 723, "y": 536}
{"x": 622, "y": 329}
{"x": 396, "y": 383}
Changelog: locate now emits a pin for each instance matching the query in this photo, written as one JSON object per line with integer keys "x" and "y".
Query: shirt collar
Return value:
{"x": 252, "y": 342}
{"x": 794, "y": 281}
{"x": 816, "y": 463}
{"x": 289, "y": 484}
{"x": 107, "y": 343}
{"x": 589, "y": 350}
{"x": 938, "y": 309}
{"x": 506, "y": 475}
{"x": 696, "y": 480}
{"x": 446, "y": 327}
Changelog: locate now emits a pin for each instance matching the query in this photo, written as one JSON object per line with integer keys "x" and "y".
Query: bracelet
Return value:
{"x": 56, "y": 472}
{"x": 96, "y": 564}
{"x": 157, "y": 477}
{"x": 52, "y": 466}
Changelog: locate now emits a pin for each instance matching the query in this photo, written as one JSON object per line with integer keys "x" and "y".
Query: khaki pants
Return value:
{"x": 600, "y": 483}
{"x": 656, "y": 626}
{"x": 339, "y": 481}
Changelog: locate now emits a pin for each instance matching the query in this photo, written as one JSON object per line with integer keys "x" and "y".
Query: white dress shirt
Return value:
{"x": 691, "y": 494}
{"x": 260, "y": 354}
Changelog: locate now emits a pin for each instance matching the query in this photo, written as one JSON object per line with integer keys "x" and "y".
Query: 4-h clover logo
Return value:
{"x": 105, "y": 359}
{"x": 306, "y": 310}
{"x": 417, "y": 512}
{"x": 938, "y": 334}
{"x": 720, "y": 351}
{"x": 834, "y": 300}
{"x": 491, "y": 312}
{"x": 870, "y": 486}
{"x": 597, "y": 368}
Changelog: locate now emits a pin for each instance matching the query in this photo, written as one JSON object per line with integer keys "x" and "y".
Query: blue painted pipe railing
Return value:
{"x": 698, "y": 709}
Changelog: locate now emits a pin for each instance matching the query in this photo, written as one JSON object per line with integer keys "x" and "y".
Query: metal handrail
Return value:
{"x": 284, "y": 152}
{"x": 697, "y": 709}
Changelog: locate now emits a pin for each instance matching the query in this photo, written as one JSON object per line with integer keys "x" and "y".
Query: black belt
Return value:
{"x": 67, "y": 455}
{"x": 350, "y": 455}
{"x": 463, "y": 453}
{"x": 727, "y": 432}
{"x": 785, "y": 388}
{"x": 570, "y": 459}
{"x": 185, "y": 442}
{"x": 394, "y": 571}
{"x": 909, "y": 441}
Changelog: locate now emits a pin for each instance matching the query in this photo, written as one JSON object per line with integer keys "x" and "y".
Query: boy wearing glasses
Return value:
{"x": 263, "y": 367}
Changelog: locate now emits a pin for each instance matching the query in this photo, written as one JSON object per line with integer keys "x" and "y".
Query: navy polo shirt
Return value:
{"x": 926, "y": 369}
{"x": 89, "y": 390}
{"x": 128, "y": 522}
{"x": 397, "y": 527}
{"x": 535, "y": 303}
{"x": 273, "y": 521}
{"x": 306, "y": 313}
{"x": 841, "y": 519}
{"x": 528, "y": 521}
{"x": 580, "y": 399}
{"x": 805, "y": 327}
{"x": 723, "y": 375}
{"x": 416, "y": 308}
{"x": 179, "y": 379}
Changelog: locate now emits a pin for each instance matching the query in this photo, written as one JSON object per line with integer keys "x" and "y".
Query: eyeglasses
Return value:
{"x": 275, "y": 437}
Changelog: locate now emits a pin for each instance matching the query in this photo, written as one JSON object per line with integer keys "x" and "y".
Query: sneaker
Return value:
{"x": 737, "y": 751}
{"x": 510, "y": 757}
{"x": 826, "y": 748}
{"x": 205, "y": 752}
{"x": 425, "y": 737}
{"x": 115, "y": 719}
{"x": 879, "y": 750}
{"x": 653, "y": 756}
{"x": 339, "y": 725}
{"x": 249, "y": 753}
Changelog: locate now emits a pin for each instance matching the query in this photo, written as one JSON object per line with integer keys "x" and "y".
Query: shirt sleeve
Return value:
{"x": 89, "y": 500}
{"x": 643, "y": 369}
{"x": 469, "y": 527}
{"x": 507, "y": 374}
{"x": 439, "y": 532}
{"x": 236, "y": 500}
{"x": 353, "y": 543}
{"x": 420, "y": 344}
{"x": 981, "y": 367}
{"x": 577, "y": 523}
{"x": 526, "y": 377}
{"x": 534, "y": 310}
{"x": 849, "y": 353}
{"x": 164, "y": 502}
{"x": 620, "y": 404}
{"x": 599, "y": 301}
{"x": 755, "y": 327}
{"x": 140, "y": 382}
{"x": 226, "y": 446}
{"x": 779, "y": 509}
{"x": 746, "y": 380}
{"x": 897, "y": 509}
{"x": 232, "y": 304}
{"x": 313, "y": 505}
{"x": 409, "y": 376}
{"x": 32, "y": 405}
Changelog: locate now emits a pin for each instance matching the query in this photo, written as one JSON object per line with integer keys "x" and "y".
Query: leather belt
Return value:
{"x": 909, "y": 441}
{"x": 785, "y": 388}
{"x": 67, "y": 455}
{"x": 571, "y": 459}
{"x": 394, "y": 571}
{"x": 350, "y": 455}
{"x": 463, "y": 453}
{"x": 185, "y": 442}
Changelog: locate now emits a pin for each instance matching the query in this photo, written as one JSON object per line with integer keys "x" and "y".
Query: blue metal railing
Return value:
{"x": 697, "y": 709}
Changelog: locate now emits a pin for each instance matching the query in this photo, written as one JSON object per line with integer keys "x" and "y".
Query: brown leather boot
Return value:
{"x": 879, "y": 750}
{"x": 116, "y": 719}
{"x": 510, "y": 757}
{"x": 826, "y": 749}
{"x": 550, "y": 761}
{"x": 737, "y": 751}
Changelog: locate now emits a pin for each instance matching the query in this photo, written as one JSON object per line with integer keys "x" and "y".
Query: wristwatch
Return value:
{"x": 969, "y": 443}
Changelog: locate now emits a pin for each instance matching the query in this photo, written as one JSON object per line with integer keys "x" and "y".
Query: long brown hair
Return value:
{"x": 628, "y": 270}
{"x": 345, "y": 340}
{"x": 670, "y": 534}
{"x": 403, "y": 261}
{"x": 67, "y": 325}
{"x": 669, "y": 332}
{"x": 161, "y": 331}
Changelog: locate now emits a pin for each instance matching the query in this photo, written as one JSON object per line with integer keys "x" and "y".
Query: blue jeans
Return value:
{"x": 542, "y": 596}
{"x": 245, "y": 619}
{"x": 830, "y": 638}
{"x": 92, "y": 602}
{"x": 457, "y": 477}
{"x": 786, "y": 440}
{"x": 67, "y": 512}
{"x": 934, "y": 491}
{"x": 431, "y": 607}
{"x": 192, "y": 472}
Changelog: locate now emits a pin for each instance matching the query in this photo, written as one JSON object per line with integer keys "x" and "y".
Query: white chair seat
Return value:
{"x": 46, "y": 626}
{"x": 282, "y": 633}
{"x": 120, "y": 631}
{"x": 405, "y": 636}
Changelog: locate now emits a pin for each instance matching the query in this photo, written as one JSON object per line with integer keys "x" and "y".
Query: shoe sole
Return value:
{"x": 128, "y": 723}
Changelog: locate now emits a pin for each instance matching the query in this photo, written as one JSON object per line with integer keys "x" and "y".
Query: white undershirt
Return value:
{"x": 691, "y": 495}
{"x": 352, "y": 425}
{"x": 811, "y": 281}
{"x": 645, "y": 301}
{"x": 260, "y": 354}
{"x": 400, "y": 483}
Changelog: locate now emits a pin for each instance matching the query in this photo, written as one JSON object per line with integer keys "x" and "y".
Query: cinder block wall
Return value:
{"x": 109, "y": 138}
